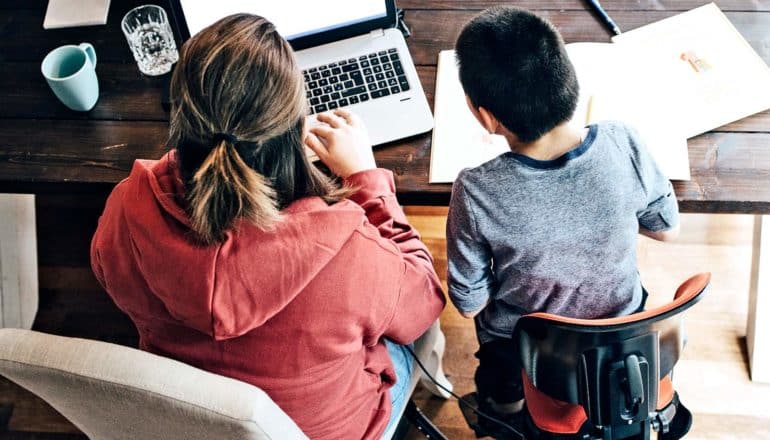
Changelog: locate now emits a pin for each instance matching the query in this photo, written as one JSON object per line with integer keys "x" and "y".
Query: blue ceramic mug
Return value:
{"x": 71, "y": 72}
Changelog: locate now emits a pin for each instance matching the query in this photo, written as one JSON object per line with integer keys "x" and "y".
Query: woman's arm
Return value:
{"x": 340, "y": 141}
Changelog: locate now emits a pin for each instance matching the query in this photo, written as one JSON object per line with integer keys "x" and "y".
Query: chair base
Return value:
{"x": 418, "y": 419}
{"x": 414, "y": 417}
{"x": 489, "y": 429}
{"x": 681, "y": 423}
{"x": 676, "y": 428}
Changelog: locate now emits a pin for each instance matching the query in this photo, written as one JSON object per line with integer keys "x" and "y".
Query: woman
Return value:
{"x": 232, "y": 253}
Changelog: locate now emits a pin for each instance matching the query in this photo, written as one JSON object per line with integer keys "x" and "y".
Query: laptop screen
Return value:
{"x": 294, "y": 19}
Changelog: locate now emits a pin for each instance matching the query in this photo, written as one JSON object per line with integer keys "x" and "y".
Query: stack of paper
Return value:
{"x": 70, "y": 13}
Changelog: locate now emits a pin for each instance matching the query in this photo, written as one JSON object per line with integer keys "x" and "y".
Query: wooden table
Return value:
{"x": 48, "y": 150}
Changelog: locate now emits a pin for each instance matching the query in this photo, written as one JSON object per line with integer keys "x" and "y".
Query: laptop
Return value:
{"x": 350, "y": 53}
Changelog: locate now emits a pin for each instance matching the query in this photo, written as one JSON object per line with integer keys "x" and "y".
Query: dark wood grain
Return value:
{"x": 726, "y": 167}
{"x": 24, "y": 39}
{"x": 125, "y": 94}
{"x": 619, "y": 5}
{"x": 433, "y": 31}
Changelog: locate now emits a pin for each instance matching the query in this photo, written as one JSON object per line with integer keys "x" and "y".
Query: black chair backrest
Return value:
{"x": 611, "y": 367}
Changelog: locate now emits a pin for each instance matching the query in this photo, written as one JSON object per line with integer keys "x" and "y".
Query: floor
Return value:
{"x": 712, "y": 377}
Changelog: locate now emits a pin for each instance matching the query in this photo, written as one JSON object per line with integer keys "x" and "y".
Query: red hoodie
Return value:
{"x": 299, "y": 312}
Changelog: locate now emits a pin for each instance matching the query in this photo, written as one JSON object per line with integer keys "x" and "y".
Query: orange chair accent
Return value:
{"x": 665, "y": 392}
{"x": 551, "y": 414}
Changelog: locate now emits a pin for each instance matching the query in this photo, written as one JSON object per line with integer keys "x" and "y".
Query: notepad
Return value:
{"x": 671, "y": 80}
{"x": 70, "y": 13}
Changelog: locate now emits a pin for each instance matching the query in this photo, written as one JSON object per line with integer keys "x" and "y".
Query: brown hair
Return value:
{"x": 237, "y": 123}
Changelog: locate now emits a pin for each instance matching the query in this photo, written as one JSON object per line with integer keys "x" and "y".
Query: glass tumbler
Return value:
{"x": 150, "y": 38}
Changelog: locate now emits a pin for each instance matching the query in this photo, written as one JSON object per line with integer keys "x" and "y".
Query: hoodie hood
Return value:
{"x": 256, "y": 272}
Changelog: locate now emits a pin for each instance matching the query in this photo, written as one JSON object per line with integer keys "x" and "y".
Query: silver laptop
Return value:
{"x": 350, "y": 54}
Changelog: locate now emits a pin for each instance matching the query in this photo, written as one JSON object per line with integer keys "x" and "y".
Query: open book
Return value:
{"x": 670, "y": 80}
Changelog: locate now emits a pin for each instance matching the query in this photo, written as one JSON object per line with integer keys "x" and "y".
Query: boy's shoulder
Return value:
{"x": 622, "y": 136}
{"x": 487, "y": 171}
{"x": 616, "y": 128}
{"x": 618, "y": 132}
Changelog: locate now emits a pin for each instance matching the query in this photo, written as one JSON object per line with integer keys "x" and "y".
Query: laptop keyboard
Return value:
{"x": 354, "y": 80}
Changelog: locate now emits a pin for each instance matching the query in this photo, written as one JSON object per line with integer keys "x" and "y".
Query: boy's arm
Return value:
{"x": 659, "y": 219}
{"x": 667, "y": 235}
{"x": 470, "y": 279}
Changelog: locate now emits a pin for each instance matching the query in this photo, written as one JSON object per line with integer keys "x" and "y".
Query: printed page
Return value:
{"x": 595, "y": 71}
{"x": 459, "y": 141}
{"x": 701, "y": 66}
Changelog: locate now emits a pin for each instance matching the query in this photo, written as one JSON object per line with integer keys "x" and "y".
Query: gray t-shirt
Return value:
{"x": 556, "y": 236}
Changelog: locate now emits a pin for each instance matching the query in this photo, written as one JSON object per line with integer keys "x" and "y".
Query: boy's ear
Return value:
{"x": 485, "y": 118}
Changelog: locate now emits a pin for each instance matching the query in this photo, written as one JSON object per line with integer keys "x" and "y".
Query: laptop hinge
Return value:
{"x": 377, "y": 33}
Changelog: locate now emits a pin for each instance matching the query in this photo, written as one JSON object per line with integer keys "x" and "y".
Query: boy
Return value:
{"x": 551, "y": 225}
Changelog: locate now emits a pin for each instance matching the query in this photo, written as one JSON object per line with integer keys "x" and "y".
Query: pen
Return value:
{"x": 603, "y": 14}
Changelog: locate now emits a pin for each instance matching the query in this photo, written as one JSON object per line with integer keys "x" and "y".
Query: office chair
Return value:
{"x": 606, "y": 378}
{"x": 112, "y": 392}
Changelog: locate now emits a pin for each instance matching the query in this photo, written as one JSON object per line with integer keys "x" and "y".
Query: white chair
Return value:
{"x": 113, "y": 392}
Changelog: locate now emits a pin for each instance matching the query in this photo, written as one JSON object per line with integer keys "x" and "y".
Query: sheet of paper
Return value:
{"x": 610, "y": 90}
{"x": 70, "y": 13}
{"x": 705, "y": 72}
{"x": 459, "y": 141}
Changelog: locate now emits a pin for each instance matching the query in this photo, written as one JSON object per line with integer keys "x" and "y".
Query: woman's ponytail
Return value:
{"x": 237, "y": 123}
{"x": 225, "y": 188}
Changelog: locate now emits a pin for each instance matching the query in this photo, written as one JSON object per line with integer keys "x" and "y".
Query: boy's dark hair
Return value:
{"x": 513, "y": 63}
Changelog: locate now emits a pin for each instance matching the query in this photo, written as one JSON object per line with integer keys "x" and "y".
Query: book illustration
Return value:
{"x": 698, "y": 64}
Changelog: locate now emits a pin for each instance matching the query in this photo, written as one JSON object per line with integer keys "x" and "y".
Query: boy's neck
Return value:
{"x": 551, "y": 145}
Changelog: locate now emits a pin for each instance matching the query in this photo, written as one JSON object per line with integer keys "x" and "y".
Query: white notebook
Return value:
{"x": 70, "y": 13}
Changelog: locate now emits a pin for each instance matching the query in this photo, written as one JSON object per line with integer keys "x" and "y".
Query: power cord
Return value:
{"x": 463, "y": 401}
{"x": 401, "y": 24}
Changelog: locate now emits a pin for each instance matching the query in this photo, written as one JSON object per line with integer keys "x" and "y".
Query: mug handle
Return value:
{"x": 89, "y": 50}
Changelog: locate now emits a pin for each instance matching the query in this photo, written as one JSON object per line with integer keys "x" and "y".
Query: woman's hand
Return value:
{"x": 341, "y": 142}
